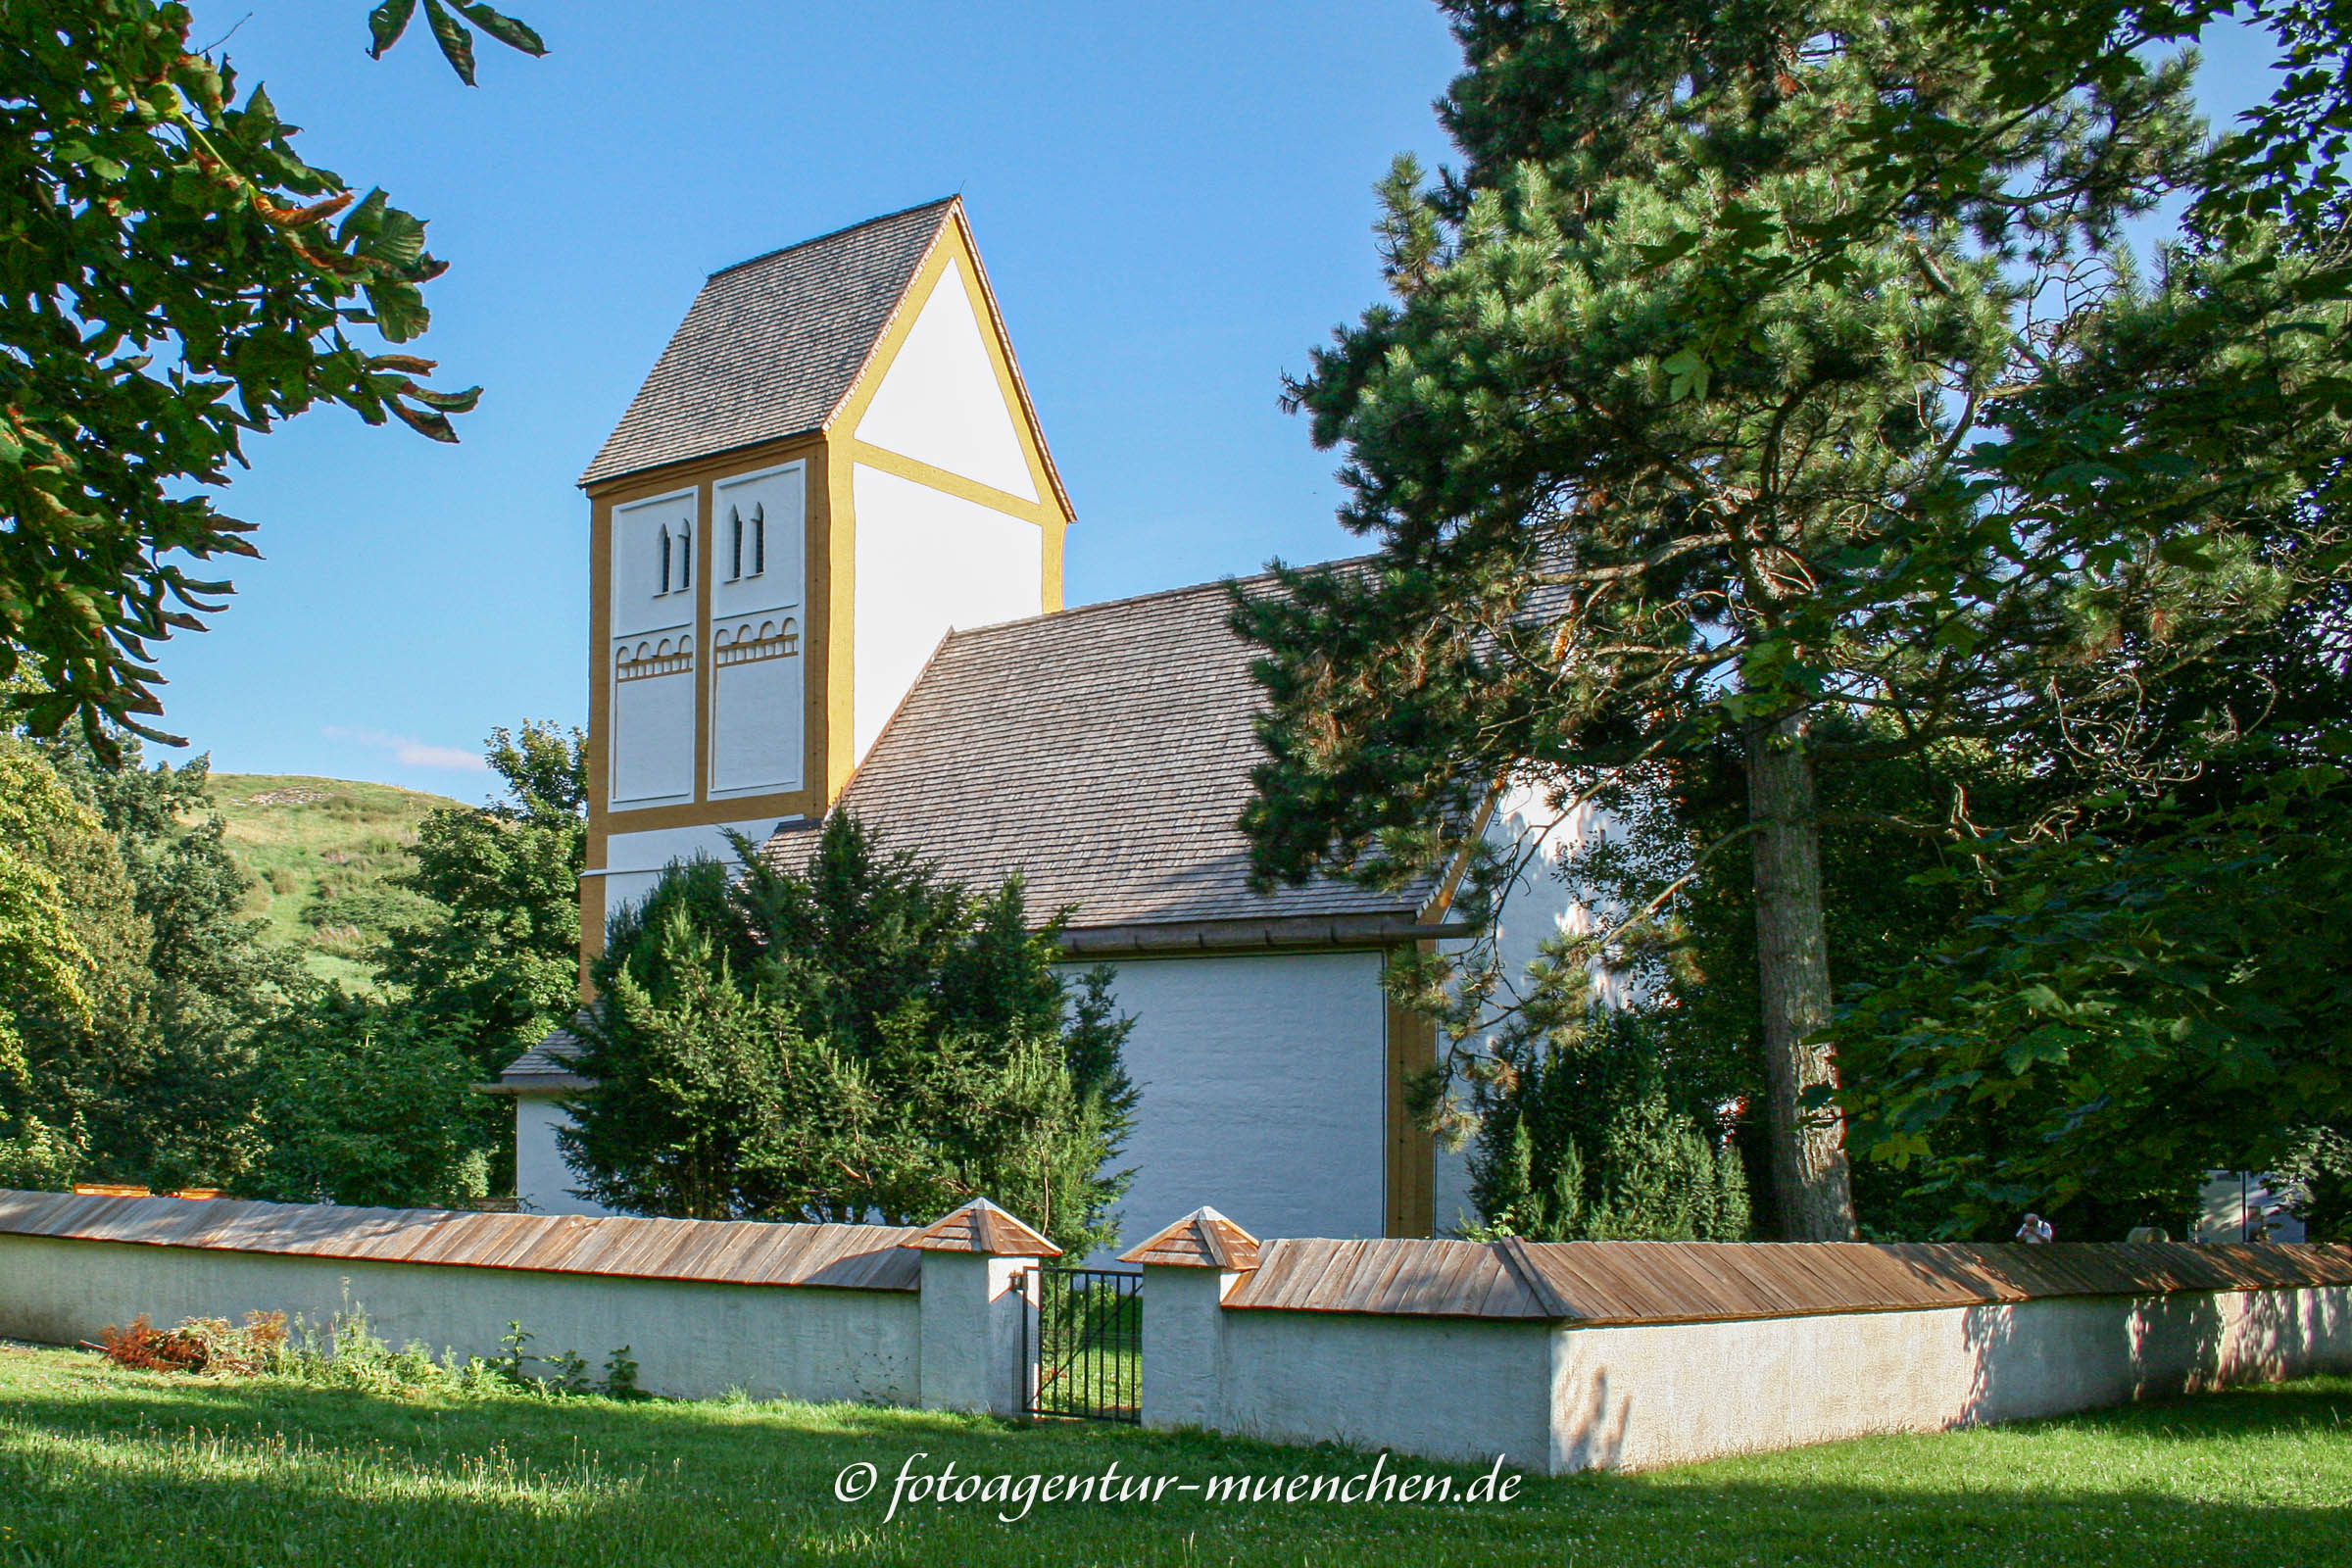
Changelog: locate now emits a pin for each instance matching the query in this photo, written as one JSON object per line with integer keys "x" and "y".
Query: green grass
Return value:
{"x": 100, "y": 1466}
{"x": 318, "y": 850}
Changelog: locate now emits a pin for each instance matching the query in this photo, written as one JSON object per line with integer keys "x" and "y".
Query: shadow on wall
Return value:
{"x": 2063, "y": 1354}
{"x": 1592, "y": 1429}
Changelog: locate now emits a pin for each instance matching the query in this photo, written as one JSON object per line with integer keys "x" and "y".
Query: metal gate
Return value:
{"x": 1085, "y": 1343}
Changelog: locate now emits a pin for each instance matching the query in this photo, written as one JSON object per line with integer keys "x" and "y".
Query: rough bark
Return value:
{"x": 1815, "y": 1199}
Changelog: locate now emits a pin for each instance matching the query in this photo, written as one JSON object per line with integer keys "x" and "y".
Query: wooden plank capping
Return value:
{"x": 1513, "y": 1251}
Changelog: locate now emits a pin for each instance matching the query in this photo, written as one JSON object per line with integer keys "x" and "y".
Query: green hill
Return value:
{"x": 319, "y": 852}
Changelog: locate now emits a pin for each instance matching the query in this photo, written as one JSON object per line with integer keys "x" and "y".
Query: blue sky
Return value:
{"x": 1174, "y": 204}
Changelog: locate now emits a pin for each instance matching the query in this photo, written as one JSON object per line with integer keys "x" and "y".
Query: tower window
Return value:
{"x": 742, "y": 530}
{"x": 664, "y": 588}
{"x": 685, "y": 557}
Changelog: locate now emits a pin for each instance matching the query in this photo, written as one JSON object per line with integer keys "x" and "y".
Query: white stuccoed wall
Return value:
{"x": 691, "y": 1339}
{"x": 1656, "y": 1394}
{"x": 928, "y": 563}
{"x": 1263, "y": 1081}
{"x": 940, "y": 402}
{"x": 1537, "y": 909}
{"x": 1554, "y": 1398}
{"x": 634, "y": 862}
{"x": 1445, "y": 1387}
{"x": 543, "y": 1182}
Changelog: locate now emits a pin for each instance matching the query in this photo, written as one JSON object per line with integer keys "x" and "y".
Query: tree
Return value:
{"x": 1582, "y": 1141}
{"x": 46, "y": 967}
{"x": 498, "y": 962}
{"x": 861, "y": 1036}
{"x": 158, "y": 1076}
{"x": 364, "y": 1102}
{"x": 2132, "y": 1013}
{"x": 177, "y": 276}
{"x": 1903, "y": 505}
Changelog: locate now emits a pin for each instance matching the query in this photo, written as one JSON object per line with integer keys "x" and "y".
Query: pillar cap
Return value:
{"x": 1202, "y": 1238}
{"x": 980, "y": 1226}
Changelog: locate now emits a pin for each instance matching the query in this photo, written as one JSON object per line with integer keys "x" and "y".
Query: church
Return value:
{"x": 826, "y": 568}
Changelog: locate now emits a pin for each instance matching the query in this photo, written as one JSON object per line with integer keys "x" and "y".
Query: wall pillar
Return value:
{"x": 1189, "y": 1269}
{"x": 976, "y": 1319}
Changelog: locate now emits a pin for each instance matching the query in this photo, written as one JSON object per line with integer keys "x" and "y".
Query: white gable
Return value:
{"x": 940, "y": 402}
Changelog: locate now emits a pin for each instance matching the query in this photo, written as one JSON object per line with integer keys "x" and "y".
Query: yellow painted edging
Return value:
{"x": 1412, "y": 1048}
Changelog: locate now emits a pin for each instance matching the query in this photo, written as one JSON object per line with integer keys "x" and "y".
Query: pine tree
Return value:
{"x": 1935, "y": 459}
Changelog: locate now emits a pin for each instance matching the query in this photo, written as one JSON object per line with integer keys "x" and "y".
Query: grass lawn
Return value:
{"x": 102, "y": 1466}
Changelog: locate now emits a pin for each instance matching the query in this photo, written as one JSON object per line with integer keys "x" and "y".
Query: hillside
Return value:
{"x": 318, "y": 850}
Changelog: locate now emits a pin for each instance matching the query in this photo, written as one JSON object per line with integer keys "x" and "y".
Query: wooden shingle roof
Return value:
{"x": 1103, "y": 753}
{"x": 773, "y": 345}
{"x": 1606, "y": 1283}
{"x": 1202, "y": 1238}
{"x": 980, "y": 1226}
{"x": 865, "y": 1258}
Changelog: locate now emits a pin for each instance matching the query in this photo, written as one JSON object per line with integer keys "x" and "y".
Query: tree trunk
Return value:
{"x": 1808, "y": 1147}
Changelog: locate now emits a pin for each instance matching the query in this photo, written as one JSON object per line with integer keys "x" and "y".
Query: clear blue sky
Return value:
{"x": 1174, "y": 204}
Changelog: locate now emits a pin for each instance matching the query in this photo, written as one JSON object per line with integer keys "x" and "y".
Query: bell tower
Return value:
{"x": 834, "y": 464}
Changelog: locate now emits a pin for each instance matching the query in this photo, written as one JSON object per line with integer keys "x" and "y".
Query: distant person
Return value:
{"x": 2036, "y": 1229}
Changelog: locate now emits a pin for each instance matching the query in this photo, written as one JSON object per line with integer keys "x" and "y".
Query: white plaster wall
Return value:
{"x": 1538, "y": 908}
{"x": 1669, "y": 1394}
{"x": 652, "y": 734}
{"x": 780, "y": 496}
{"x": 634, "y": 862}
{"x": 974, "y": 1317}
{"x": 1459, "y": 1388}
{"x": 638, "y": 604}
{"x": 756, "y": 744}
{"x": 928, "y": 563}
{"x": 1265, "y": 1093}
{"x": 691, "y": 1341}
{"x": 940, "y": 401}
{"x": 1183, "y": 1358}
{"x": 543, "y": 1182}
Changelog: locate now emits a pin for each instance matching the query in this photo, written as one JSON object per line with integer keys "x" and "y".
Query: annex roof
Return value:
{"x": 547, "y": 1068}
{"x": 873, "y": 1258}
{"x": 773, "y": 345}
{"x": 1105, "y": 752}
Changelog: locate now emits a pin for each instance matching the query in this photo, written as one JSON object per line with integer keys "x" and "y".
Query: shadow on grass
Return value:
{"x": 114, "y": 1469}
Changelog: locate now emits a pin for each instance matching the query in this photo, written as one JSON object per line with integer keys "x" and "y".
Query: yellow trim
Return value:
{"x": 838, "y": 649}
{"x": 1052, "y": 513}
{"x": 1412, "y": 1154}
{"x": 949, "y": 482}
{"x": 592, "y": 928}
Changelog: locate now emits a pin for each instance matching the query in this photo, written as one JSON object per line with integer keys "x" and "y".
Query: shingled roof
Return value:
{"x": 773, "y": 345}
{"x": 549, "y": 1068}
{"x": 1103, "y": 753}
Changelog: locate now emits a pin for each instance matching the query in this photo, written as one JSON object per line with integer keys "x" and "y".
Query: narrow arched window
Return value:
{"x": 758, "y": 539}
{"x": 664, "y": 588}
{"x": 735, "y": 549}
{"x": 685, "y": 557}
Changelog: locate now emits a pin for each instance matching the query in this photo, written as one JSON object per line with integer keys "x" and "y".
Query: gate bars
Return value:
{"x": 1084, "y": 1343}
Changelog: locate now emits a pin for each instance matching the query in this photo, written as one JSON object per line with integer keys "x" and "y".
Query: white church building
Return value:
{"x": 827, "y": 571}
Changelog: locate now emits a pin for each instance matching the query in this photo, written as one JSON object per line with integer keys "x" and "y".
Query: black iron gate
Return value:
{"x": 1085, "y": 1341}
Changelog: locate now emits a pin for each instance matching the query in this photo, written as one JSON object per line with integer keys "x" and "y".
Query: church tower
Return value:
{"x": 834, "y": 464}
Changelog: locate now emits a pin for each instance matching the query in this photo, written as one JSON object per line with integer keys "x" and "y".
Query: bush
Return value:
{"x": 200, "y": 1345}
{"x": 1579, "y": 1142}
